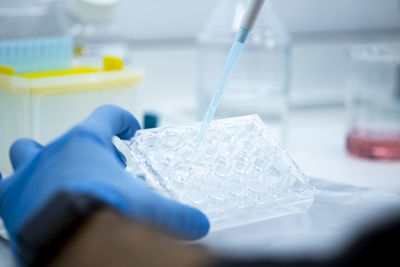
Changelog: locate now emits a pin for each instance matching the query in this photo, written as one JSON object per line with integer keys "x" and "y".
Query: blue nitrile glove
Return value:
{"x": 84, "y": 160}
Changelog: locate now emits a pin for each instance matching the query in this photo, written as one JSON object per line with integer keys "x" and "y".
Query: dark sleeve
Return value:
{"x": 377, "y": 246}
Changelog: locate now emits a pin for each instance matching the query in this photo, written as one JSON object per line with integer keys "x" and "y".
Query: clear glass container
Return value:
{"x": 97, "y": 31}
{"x": 260, "y": 82}
{"x": 374, "y": 102}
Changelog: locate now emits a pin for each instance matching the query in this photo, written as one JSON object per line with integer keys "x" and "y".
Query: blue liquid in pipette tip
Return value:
{"x": 230, "y": 65}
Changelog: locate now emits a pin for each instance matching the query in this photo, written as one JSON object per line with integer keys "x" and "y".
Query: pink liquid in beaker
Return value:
{"x": 374, "y": 145}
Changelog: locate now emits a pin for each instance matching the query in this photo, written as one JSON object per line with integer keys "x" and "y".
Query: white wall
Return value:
{"x": 158, "y": 19}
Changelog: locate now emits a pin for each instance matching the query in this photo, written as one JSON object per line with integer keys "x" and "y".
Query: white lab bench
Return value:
{"x": 316, "y": 142}
{"x": 352, "y": 191}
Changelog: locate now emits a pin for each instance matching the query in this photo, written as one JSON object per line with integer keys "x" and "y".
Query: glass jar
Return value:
{"x": 260, "y": 83}
{"x": 97, "y": 31}
{"x": 374, "y": 102}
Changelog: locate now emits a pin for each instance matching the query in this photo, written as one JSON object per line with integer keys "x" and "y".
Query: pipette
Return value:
{"x": 253, "y": 9}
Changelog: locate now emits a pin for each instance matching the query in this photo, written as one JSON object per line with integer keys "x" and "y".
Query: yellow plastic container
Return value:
{"x": 44, "y": 105}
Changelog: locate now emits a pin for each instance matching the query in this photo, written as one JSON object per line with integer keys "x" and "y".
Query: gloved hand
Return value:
{"x": 84, "y": 160}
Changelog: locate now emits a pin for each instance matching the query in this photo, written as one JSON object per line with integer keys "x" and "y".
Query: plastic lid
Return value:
{"x": 112, "y": 76}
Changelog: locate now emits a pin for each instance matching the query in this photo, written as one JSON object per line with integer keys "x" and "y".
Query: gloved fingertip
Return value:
{"x": 130, "y": 132}
{"x": 204, "y": 226}
{"x": 110, "y": 120}
{"x": 200, "y": 227}
{"x": 23, "y": 150}
{"x": 187, "y": 222}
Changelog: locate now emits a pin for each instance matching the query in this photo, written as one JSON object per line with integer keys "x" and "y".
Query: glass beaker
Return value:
{"x": 374, "y": 102}
{"x": 260, "y": 82}
{"x": 97, "y": 31}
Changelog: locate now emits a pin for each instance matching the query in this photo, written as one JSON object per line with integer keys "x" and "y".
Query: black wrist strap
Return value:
{"x": 43, "y": 235}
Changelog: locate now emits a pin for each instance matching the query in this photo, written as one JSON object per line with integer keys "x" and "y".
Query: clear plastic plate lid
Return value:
{"x": 237, "y": 175}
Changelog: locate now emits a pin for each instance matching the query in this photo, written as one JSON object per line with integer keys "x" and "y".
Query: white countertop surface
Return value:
{"x": 316, "y": 142}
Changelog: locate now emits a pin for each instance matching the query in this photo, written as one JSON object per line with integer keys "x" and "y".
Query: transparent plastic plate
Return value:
{"x": 238, "y": 174}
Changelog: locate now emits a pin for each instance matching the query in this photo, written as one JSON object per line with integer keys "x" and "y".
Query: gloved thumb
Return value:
{"x": 186, "y": 222}
{"x": 23, "y": 150}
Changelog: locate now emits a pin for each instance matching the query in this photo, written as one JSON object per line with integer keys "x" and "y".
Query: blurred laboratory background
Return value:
{"x": 323, "y": 75}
